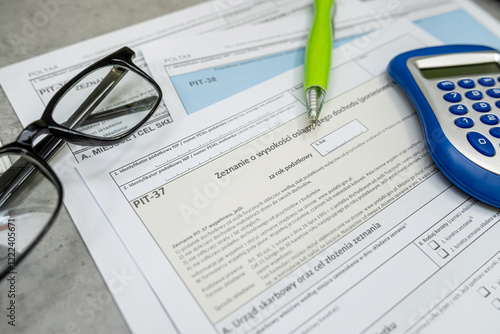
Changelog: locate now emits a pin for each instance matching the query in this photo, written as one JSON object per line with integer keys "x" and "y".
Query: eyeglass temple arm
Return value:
{"x": 17, "y": 175}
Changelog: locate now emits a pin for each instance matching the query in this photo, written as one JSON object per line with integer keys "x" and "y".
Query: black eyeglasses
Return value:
{"x": 103, "y": 105}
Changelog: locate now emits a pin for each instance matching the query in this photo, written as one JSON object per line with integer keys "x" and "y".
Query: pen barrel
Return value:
{"x": 319, "y": 46}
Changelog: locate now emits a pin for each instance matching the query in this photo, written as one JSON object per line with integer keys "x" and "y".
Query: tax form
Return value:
{"x": 158, "y": 301}
{"x": 261, "y": 225}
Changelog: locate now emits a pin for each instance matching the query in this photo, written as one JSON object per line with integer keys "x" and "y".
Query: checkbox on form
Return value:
{"x": 433, "y": 245}
{"x": 483, "y": 291}
{"x": 444, "y": 254}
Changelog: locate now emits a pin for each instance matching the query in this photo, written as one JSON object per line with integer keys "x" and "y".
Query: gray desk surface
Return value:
{"x": 61, "y": 290}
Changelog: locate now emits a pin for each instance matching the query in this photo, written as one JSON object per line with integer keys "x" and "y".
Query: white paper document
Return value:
{"x": 227, "y": 214}
{"x": 260, "y": 225}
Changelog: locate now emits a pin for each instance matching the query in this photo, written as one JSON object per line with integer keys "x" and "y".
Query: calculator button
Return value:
{"x": 466, "y": 83}
{"x": 481, "y": 143}
{"x": 495, "y": 132}
{"x": 458, "y": 109}
{"x": 481, "y": 106}
{"x": 452, "y": 97}
{"x": 486, "y": 81}
{"x": 446, "y": 85}
{"x": 489, "y": 119}
{"x": 493, "y": 92}
{"x": 464, "y": 122}
{"x": 474, "y": 94}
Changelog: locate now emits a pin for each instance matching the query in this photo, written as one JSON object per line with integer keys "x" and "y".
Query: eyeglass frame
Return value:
{"x": 46, "y": 125}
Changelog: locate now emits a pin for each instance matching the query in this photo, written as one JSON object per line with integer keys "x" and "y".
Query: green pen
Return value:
{"x": 318, "y": 58}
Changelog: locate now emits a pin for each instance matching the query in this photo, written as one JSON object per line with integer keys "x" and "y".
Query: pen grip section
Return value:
{"x": 319, "y": 46}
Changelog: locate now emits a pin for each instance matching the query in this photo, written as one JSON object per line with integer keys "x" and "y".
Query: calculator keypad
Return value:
{"x": 472, "y": 116}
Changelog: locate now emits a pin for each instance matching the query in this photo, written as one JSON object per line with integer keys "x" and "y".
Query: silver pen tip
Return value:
{"x": 314, "y": 101}
{"x": 313, "y": 118}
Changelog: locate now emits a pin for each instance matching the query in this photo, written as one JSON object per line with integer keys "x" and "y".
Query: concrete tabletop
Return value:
{"x": 61, "y": 290}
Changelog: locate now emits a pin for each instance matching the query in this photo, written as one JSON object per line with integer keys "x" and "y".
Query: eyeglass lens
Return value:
{"x": 112, "y": 100}
{"x": 24, "y": 213}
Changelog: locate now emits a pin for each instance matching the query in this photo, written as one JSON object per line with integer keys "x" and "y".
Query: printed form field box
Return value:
{"x": 339, "y": 137}
{"x": 483, "y": 291}
{"x": 444, "y": 254}
{"x": 433, "y": 245}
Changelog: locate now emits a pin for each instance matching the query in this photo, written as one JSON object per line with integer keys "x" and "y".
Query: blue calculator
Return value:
{"x": 456, "y": 92}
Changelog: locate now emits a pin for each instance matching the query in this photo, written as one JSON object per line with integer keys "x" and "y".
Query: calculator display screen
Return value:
{"x": 463, "y": 70}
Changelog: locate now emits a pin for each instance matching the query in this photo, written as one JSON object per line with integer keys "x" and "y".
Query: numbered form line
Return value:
{"x": 339, "y": 137}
